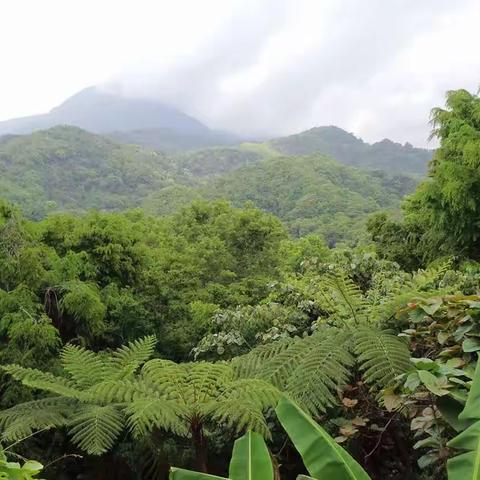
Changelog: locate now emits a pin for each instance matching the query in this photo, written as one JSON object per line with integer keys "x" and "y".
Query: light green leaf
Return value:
{"x": 472, "y": 407}
{"x": 471, "y": 345}
{"x": 322, "y": 456}
{"x": 467, "y": 465}
{"x": 250, "y": 459}
{"x": 431, "y": 382}
{"x": 181, "y": 474}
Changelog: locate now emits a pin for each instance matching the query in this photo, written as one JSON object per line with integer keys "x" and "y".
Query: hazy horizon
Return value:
{"x": 257, "y": 69}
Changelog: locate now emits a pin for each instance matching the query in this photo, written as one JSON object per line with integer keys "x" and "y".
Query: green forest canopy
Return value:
{"x": 378, "y": 342}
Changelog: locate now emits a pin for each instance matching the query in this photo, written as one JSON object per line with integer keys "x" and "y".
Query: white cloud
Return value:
{"x": 258, "y": 67}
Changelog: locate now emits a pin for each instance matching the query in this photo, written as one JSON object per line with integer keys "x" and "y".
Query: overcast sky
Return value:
{"x": 255, "y": 67}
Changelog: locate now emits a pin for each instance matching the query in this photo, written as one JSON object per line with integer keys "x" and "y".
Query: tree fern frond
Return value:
{"x": 95, "y": 428}
{"x": 122, "y": 391}
{"x": 206, "y": 380}
{"x": 22, "y": 420}
{"x": 345, "y": 297}
{"x": 147, "y": 414}
{"x": 241, "y": 415}
{"x": 325, "y": 368}
{"x": 262, "y": 394}
{"x": 168, "y": 378}
{"x": 44, "y": 381}
{"x": 278, "y": 369}
{"x": 248, "y": 365}
{"x": 382, "y": 356}
{"x": 84, "y": 366}
{"x": 127, "y": 359}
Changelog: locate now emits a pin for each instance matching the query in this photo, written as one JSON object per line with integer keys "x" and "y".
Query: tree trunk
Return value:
{"x": 200, "y": 446}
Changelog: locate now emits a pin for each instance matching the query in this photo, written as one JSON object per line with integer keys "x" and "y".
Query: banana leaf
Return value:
{"x": 251, "y": 459}
{"x": 181, "y": 474}
{"x": 466, "y": 466}
{"x": 472, "y": 407}
{"x": 322, "y": 456}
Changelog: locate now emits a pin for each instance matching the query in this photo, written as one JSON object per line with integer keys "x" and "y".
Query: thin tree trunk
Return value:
{"x": 200, "y": 446}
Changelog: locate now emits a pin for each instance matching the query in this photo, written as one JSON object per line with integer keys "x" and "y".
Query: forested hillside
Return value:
{"x": 311, "y": 194}
{"x": 345, "y": 147}
{"x": 219, "y": 340}
{"x": 69, "y": 169}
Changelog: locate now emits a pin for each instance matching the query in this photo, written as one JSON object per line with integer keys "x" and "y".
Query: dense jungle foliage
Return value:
{"x": 133, "y": 342}
{"x": 68, "y": 169}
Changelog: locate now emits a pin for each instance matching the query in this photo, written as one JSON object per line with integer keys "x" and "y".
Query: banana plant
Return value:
{"x": 466, "y": 465}
{"x": 250, "y": 461}
{"x": 323, "y": 457}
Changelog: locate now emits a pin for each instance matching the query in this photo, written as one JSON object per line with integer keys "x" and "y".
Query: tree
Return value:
{"x": 100, "y": 394}
{"x": 442, "y": 217}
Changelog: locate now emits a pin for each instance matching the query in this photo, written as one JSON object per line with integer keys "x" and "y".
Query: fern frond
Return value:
{"x": 206, "y": 380}
{"x": 280, "y": 367}
{"x": 260, "y": 393}
{"x": 122, "y": 391}
{"x": 345, "y": 297}
{"x": 147, "y": 414}
{"x": 248, "y": 365}
{"x": 239, "y": 415}
{"x": 127, "y": 359}
{"x": 85, "y": 367}
{"x": 312, "y": 368}
{"x": 325, "y": 368}
{"x": 45, "y": 381}
{"x": 22, "y": 420}
{"x": 95, "y": 428}
{"x": 168, "y": 378}
{"x": 382, "y": 356}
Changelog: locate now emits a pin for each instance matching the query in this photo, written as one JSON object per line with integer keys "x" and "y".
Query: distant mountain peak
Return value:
{"x": 346, "y": 147}
{"x": 103, "y": 110}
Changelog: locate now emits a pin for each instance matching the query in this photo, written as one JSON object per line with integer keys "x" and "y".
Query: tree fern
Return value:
{"x": 344, "y": 298}
{"x": 128, "y": 358}
{"x": 382, "y": 355}
{"x": 22, "y": 420}
{"x": 46, "y": 381}
{"x": 85, "y": 367}
{"x": 83, "y": 403}
{"x": 325, "y": 368}
{"x": 311, "y": 368}
{"x": 95, "y": 428}
{"x": 246, "y": 366}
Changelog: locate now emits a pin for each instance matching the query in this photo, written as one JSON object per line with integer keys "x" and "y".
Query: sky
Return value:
{"x": 258, "y": 68}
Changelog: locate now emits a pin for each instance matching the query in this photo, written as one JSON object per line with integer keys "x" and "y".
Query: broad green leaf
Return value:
{"x": 305, "y": 477}
{"x": 251, "y": 459}
{"x": 471, "y": 345}
{"x": 181, "y": 474}
{"x": 322, "y": 456}
{"x": 450, "y": 410}
{"x": 467, "y": 465}
{"x": 431, "y": 382}
{"x": 472, "y": 407}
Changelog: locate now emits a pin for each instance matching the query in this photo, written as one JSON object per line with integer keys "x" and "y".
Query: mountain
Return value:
{"x": 311, "y": 194}
{"x": 130, "y": 120}
{"x": 345, "y": 147}
{"x": 66, "y": 168}
{"x": 69, "y": 169}
{"x": 170, "y": 140}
